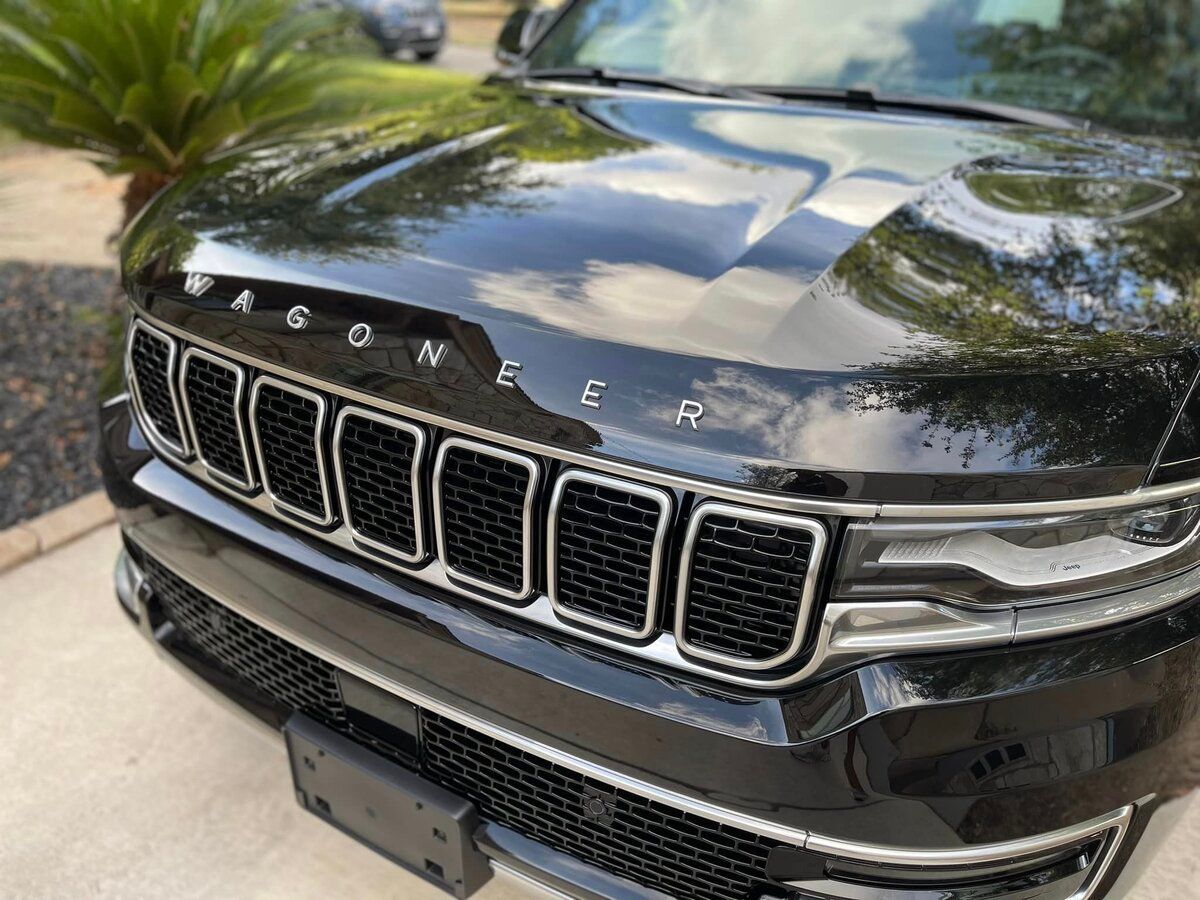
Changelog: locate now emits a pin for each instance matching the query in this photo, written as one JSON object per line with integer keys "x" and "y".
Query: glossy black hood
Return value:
{"x": 865, "y": 305}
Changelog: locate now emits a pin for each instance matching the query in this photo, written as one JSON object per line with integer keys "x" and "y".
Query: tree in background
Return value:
{"x": 157, "y": 88}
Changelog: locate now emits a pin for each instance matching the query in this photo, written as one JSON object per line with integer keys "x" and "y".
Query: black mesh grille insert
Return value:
{"x": 212, "y": 400}
{"x": 605, "y": 544}
{"x": 483, "y": 514}
{"x": 150, "y": 357}
{"x": 747, "y": 579}
{"x": 287, "y": 429}
{"x": 377, "y": 464}
{"x": 290, "y": 676}
{"x": 647, "y": 842}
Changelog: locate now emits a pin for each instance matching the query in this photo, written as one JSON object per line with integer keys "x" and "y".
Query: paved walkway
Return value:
{"x": 464, "y": 58}
{"x": 123, "y": 780}
{"x": 56, "y": 208}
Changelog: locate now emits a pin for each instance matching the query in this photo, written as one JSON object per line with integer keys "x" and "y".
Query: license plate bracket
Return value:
{"x": 395, "y": 812}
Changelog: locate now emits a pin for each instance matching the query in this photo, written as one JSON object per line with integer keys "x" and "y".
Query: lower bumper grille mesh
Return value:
{"x": 288, "y": 675}
{"x": 638, "y": 839}
{"x": 647, "y": 842}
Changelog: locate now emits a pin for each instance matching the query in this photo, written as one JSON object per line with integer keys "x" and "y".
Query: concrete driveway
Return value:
{"x": 123, "y": 780}
{"x": 464, "y": 58}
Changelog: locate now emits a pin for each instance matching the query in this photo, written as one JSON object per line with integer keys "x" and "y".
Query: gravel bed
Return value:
{"x": 56, "y": 325}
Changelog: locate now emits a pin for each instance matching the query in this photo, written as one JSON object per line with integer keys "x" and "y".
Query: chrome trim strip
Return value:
{"x": 318, "y": 441}
{"x": 529, "y": 554}
{"x": 980, "y": 854}
{"x": 807, "y": 598}
{"x": 977, "y": 854}
{"x": 248, "y": 483}
{"x": 157, "y": 439}
{"x": 418, "y": 435}
{"x": 657, "y": 553}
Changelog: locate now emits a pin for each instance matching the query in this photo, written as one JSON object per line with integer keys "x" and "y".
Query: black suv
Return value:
{"x": 746, "y": 448}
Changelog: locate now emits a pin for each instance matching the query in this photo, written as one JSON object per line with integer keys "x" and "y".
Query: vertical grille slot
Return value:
{"x": 212, "y": 391}
{"x": 152, "y": 373}
{"x": 747, "y": 585}
{"x": 288, "y": 423}
{"x": 605, "y": 552}
{"x": 378, "y": 460}
{"x": 483, "y": 510}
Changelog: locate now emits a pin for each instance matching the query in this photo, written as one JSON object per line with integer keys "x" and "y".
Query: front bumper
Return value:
{"x": 957, "y": 763}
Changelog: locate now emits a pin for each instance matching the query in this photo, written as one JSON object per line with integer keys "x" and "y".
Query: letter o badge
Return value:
{"x": 361, "y": 335}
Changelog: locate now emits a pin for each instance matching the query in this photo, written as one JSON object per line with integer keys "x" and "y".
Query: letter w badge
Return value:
{"x": 196, "y": 284}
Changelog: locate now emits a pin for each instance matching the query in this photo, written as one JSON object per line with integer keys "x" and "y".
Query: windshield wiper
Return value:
{"x": 861, "y": 98}
{"x": 609, "y": 76}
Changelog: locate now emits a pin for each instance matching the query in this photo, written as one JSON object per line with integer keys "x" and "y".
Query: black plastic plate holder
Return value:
{"x": 395, "y": 812}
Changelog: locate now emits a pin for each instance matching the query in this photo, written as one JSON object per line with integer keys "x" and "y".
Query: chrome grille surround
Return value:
{"x": 807, "y": 598}
{"x": 657, "y": 555}
{"x": 846, "y": 634}
{"x": 529, "y": 555}
{"x": 418, "y": 463}
{"x": 158, "y": 440}
{"x": 325, "y": 518}
{"x": 248, "y": 482}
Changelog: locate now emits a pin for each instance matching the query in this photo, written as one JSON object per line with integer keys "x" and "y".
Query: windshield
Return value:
{"x": 1131, "y": 65}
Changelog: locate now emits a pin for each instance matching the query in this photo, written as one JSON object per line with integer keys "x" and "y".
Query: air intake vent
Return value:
{"x": 212, "y": 404}
{"x": 747, "y": 585}
{"x": 152, "y": 371}
{"x": 378, "y": 462}
{"x": 680, "y": 854}
{"x": 484, "y": 514}
{"x": 288, "y": 423}
{"x": 253, "y": 655}
{"x": 605, "y": 548}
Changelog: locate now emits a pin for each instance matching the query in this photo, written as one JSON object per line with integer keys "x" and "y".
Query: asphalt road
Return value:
{"x": 120, "y": 779}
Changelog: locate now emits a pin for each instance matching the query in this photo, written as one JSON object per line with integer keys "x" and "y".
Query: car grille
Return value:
{"x": 151, "y": 362}
{"x": 596, "y": 558}
{"x": 482, "y": 515}
{"x": 213, "y": 396}
{"x": 642, "y": 840}
{"x": 607, "y": 548}
{"x": 647, "y": 842}
{"x": 745, "y": 587}
{"x": 377, "y": 458}
{"x": 287, "y": 429}
{"x": 286, "y": 674}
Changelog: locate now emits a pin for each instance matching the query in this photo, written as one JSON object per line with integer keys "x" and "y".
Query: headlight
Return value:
{"x": 1019, "y": 560}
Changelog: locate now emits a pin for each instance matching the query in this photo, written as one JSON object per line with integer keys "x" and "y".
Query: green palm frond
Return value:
{"x": 160, "y": 86}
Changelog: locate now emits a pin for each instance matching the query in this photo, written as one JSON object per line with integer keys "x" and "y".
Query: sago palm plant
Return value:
{"x": 154, "y": 88}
